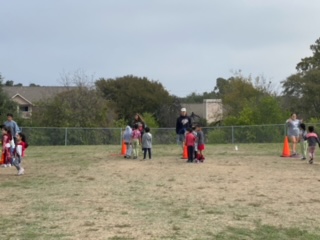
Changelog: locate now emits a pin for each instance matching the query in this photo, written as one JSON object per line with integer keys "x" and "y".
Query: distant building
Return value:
{"x": 210, "y": 109}
{"x": 27, "y": 97}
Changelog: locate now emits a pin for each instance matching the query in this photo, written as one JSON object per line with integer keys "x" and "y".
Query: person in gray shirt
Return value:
{"x": 13, "y": 126}
{"x": 293, "y": 132}
{"x": 147, "y": 143}
{"x": 201, "y": 147}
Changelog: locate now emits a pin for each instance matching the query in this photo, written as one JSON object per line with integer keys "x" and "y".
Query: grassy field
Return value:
{"x": 89, "y": 192}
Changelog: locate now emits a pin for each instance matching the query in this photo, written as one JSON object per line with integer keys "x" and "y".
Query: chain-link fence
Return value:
{"x": 113, "y": 136}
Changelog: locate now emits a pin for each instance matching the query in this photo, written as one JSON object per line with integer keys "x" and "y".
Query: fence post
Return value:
{"x": 120, "y": 136}
{"x": 232, "y": 132}
{"x": 66, "y": 137}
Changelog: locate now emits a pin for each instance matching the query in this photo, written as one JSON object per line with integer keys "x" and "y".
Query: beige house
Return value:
{"x": 210, "y": 109}
{"x": 27, "y": 97}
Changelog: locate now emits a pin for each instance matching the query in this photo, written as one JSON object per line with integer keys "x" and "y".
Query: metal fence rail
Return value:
{"x": 113, "y": 136}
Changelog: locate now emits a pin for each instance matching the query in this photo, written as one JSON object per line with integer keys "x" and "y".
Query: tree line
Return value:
{"x": 112, "y": 102}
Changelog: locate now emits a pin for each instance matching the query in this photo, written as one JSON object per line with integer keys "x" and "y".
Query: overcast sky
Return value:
{"x": 184, "y": 44}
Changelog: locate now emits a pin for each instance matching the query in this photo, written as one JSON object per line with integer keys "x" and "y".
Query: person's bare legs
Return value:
{"x": 293, "y": 140}
{"x": 181, "y": 138}
{"x": 303, "y": 148}
{"x": 311, "y": 153}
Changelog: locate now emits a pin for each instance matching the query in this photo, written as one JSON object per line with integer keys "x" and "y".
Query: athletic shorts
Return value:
{"x": 181, "y": 138}
{"x": 201, "y": 147}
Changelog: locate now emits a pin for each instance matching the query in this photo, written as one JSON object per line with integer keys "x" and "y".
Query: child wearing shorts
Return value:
{"x": 313, "y": 140}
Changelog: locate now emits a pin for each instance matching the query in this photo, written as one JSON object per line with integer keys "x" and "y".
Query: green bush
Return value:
{"x": 217, "y": 135}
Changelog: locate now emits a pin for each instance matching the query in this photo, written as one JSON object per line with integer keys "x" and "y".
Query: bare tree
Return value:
{"x": 78, "y": 78}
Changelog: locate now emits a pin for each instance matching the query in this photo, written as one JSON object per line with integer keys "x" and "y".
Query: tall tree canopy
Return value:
{"x": 311, "y": 63}
{"x": 131, "y": 95}
{"x": 79, "y": 107}
{"x": 301, "y": 90}
{"x": 248, "y": 101}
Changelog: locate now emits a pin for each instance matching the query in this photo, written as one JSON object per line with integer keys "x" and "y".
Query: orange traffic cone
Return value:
{"x": 2, "y": 159}
{"x": 286, "y": 148}
{"x": 123, "y": 148}
{"x": 185, "y": 152}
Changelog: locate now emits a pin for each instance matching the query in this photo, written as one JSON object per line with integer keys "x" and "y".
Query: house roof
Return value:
{"x": 23, "y": 99}
{"x": 34, "y": 94}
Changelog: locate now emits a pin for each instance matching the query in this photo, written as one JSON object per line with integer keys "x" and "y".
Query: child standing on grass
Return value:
{"x": 194, "y": 131}
{"x": 136, "y": 141}
{"x": 312, "y": 139}
{"x": 190, "y": 142}
{"x": 19, "y": 152}
{"x": 127, "y": 141}
{"x": 6, "y": 147}
{"x": 303, "y": 141}
{"x": 147, "y": 143}
{"x": 200, "y": 137}
{"x": 2, "y": 154}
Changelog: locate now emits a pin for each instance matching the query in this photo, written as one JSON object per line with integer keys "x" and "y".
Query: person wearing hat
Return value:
{"x": 183, "y": 123}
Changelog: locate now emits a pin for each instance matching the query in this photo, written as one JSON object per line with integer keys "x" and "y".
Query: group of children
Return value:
{"x": 138, "y": 136}
{"x": 13, "y": 149}
{"x": 308, "y": 141}
{"x": 194, "y": 141}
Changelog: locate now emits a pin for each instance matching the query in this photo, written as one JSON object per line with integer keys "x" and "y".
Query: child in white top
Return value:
{"x": 127, "y": 141}
{"x": 147, "y": 143}
{"x": 303, "y": 141}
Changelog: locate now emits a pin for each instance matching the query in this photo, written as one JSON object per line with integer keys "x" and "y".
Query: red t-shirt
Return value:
{"x": 190, "y": 139}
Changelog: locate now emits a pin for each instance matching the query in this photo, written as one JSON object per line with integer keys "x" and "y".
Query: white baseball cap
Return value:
{"x": 183, "y": 109}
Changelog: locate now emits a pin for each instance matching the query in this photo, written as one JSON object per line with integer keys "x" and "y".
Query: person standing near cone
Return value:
{"x": 183, "y": 123}
{"x": 303, "y": 141}
{"x": 293, "y": 132}
{"x": 136, "y": 141}
{"x": 190, "y": 143}
{"x": 127, "y": 141}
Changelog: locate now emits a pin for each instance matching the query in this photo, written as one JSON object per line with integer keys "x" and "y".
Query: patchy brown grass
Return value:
{"x": 89, "y": 192}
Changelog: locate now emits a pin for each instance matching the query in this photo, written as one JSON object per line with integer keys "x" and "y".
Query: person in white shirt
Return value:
{"x": 147, "y": 143}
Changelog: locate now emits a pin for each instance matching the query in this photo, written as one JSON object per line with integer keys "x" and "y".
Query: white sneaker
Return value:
{"x": 9, "y": 165}
{"x": 21, "y": 171}
{"x": 4, "y": 165}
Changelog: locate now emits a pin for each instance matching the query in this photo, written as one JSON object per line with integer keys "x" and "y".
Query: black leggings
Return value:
{"x": 145, "y": 153}
{"x": 190, "y": 153}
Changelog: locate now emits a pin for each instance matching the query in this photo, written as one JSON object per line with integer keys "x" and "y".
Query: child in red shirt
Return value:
{"x": 313, "y": 140}
{"x": 6, "y": 147}
{"x": 190, "y": 143}
{"x": 20, "y": 152}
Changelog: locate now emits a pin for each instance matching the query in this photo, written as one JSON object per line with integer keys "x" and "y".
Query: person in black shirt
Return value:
{"x": 183, "y": 123}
